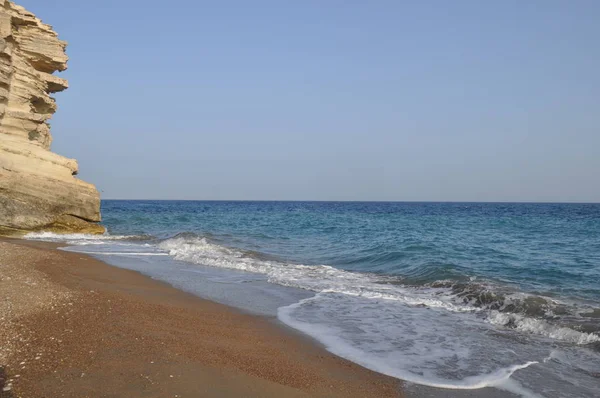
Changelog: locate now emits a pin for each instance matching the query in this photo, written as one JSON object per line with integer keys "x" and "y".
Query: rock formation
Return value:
{"x": 38, "y": 188}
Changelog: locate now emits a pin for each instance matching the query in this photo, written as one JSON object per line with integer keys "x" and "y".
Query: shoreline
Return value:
{"x": 116, "y": 332}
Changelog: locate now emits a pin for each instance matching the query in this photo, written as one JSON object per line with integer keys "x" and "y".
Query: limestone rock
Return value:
{"x": 38, "y": 188}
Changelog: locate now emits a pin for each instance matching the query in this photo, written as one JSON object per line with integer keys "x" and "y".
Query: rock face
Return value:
{"x": 38, "y": 188}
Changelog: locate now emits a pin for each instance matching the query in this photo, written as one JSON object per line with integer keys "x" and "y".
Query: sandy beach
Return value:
{"x": 74, "y": 326}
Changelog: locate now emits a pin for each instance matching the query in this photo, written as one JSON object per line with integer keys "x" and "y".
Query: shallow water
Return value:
{"x": 457, "y": 296}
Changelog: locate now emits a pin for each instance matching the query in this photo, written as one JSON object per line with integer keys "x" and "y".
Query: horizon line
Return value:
{"x": 351, "y": 201}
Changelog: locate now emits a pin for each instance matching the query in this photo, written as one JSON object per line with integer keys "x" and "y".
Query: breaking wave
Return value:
{"x": 516, "y": 310}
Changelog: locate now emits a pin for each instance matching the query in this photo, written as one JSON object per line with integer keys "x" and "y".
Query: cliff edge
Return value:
{"x": 38, "y": 188}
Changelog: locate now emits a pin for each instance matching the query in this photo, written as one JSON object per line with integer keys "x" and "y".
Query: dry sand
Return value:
{"x": 73, "y": 326}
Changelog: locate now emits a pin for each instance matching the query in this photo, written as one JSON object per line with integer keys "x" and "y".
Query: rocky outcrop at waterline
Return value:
{"x": 38, "y": 188}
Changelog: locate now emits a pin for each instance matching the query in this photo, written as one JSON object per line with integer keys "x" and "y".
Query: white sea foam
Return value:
{"x": 541, "y": 327}
{"x": 76, "y": 239}
{"x": 317, "y": 278}
{"x": 48, "y": 236}
{"x": 423, "y": 347}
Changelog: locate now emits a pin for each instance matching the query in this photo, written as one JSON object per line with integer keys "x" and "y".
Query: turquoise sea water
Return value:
{"x": 453, "y": 295}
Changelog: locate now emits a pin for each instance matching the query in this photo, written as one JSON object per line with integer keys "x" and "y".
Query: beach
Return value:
{"x": 74, "y": 326}
{"x": 202, "y": 299}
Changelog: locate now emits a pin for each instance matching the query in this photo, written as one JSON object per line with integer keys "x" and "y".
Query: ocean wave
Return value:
{"x": 491, "y": 296}
{"x": 84, "y": 239}
{"x": 524, "y": 313}
{"x": 557, "y": 319}
{"x": 542, "y": 328}
{"x": 317, "y": 278}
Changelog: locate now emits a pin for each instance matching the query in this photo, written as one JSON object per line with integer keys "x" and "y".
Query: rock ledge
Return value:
{"x": 38, "y": 188}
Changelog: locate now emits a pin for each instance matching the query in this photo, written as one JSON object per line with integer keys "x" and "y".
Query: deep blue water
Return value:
{"x": 451, "y": 295}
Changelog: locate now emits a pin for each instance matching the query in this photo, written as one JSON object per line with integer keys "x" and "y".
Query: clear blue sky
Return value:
{"x": 332, "y": 100}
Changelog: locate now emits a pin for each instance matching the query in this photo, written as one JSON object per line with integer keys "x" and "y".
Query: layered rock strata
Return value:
{"x": 38, "y": 188}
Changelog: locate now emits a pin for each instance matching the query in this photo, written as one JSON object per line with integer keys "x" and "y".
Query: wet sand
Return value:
{"x": 73, "y": 326}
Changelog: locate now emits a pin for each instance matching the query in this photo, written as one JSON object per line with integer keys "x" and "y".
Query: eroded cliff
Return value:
{"x": 38, "y": 188}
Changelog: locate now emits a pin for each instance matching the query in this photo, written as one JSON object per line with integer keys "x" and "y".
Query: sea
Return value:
{"x": 453, "y": 296}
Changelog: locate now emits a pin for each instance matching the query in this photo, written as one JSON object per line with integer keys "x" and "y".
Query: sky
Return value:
{"x": 331, "y": 100}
